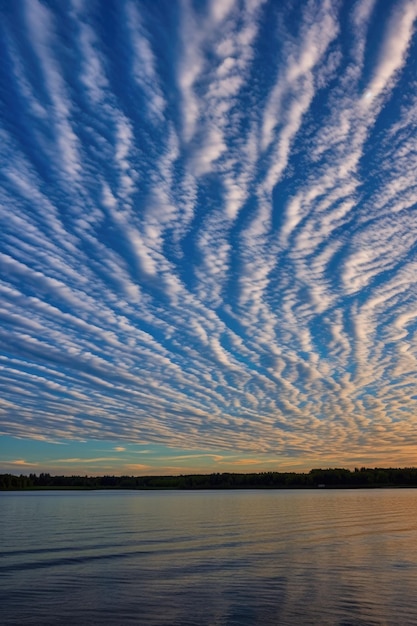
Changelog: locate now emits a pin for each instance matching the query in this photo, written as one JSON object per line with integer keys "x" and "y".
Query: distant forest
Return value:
{"x": 335, "y": 478}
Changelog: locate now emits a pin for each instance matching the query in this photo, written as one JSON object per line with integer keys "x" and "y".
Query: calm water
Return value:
{"x": 208, "y": 558}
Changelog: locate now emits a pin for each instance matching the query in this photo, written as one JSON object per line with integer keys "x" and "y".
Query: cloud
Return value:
{"x": 40, "y": 31}
{"x": 144, "y": 63}
{"x": 70, "y": 461}
{"x": 136, "y": 467}
{"x": 20, "y": 463}
{"x": 394, "y": 49}
{"x": 207, "y": 230}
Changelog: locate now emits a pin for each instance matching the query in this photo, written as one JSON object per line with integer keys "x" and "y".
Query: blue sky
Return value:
{"x": 207, "y": 235}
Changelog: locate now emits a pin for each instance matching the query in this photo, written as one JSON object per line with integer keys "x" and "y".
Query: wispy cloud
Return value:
{"x": 207, "y": 229}
{"x": 395, "y": 46}
{"x": 21, "y": 463}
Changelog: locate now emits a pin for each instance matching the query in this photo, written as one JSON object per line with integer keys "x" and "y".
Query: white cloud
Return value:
{"x": 229, "y": 265}
{"x": 394, "y": 49}
{"x": 40, "y": 29}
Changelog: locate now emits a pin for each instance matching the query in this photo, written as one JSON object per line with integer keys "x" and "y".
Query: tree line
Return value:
{"x": 316, "y": 478}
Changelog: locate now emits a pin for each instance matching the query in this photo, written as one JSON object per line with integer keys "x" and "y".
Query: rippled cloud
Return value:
{"x": 208, "y": 230}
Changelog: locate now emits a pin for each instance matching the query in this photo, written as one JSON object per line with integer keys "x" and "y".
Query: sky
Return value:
{"x": 208, "y": 235}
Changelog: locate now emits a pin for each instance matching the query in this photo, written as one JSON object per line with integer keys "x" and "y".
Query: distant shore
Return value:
{"x": 331, "y": 478}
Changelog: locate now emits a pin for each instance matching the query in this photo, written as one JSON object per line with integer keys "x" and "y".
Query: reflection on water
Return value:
{"x": 209, "y": 558}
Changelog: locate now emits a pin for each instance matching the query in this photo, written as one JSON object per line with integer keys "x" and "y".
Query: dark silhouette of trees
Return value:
{"x": 331, "y": 478}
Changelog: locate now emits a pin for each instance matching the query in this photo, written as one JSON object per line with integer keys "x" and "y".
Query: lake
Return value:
{"x": 218, "y": 558}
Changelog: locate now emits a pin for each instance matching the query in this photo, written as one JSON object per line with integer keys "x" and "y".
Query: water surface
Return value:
{"x": 217, "y": 558}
